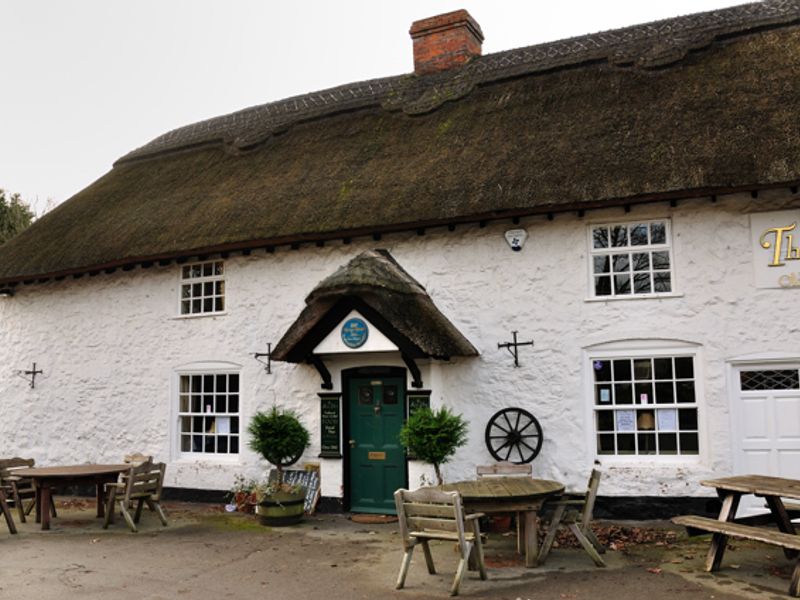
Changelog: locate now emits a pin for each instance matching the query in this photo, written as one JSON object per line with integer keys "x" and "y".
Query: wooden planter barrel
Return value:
{"x": 282, "y": 508}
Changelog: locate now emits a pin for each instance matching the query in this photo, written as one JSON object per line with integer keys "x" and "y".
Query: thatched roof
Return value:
{"x": 696, "y": 105}
{"x": 383, "y": 292}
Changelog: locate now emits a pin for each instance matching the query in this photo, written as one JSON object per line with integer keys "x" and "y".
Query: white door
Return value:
{"x": 766, "y": 409}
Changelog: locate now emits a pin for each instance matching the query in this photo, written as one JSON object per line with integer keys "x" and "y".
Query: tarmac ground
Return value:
{"x": 206, "y": 553}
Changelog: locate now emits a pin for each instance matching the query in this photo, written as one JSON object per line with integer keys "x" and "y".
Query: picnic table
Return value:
{"x": 492, "y": 495}
{"x": 45, "y": 479}
{"x": 730, "y": 490}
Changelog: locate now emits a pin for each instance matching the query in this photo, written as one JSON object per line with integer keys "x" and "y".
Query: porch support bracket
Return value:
{"x": 416, "y": 382}
{"x": 327, "y": 382}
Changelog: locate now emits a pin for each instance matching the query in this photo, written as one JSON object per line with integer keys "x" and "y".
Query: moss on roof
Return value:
{"x": 723, "y": 118}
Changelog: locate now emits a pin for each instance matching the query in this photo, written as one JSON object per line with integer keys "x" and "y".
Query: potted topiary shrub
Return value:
{"x": 434, "y": 437}
{"x": 280, "y": 437}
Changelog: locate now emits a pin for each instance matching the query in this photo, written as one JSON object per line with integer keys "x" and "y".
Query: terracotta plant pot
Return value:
{"x": 281, "y": 508}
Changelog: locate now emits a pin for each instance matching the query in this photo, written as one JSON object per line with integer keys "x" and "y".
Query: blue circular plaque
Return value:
{"x": 354, "y": 333}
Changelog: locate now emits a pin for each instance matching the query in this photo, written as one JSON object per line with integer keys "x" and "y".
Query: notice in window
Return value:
{"x": 626, "y": 420}
{"x": 223, "y": 425}
{"x": 667, "y": 419}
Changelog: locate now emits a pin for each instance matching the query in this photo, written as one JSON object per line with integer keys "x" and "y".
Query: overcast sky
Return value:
{"x": 85, "y": 81}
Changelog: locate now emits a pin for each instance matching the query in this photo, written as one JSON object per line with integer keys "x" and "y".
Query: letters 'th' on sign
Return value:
{"x": 776, "y": 247}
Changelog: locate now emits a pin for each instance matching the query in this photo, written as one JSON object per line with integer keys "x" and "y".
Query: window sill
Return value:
{"x": 633, "y": 297}
{"x": 223, "y": 313}
{"x": 192, "y": 459}
{"x": 648, "y": 461}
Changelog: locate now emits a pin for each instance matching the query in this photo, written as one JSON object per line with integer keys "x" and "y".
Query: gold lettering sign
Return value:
{"x": 376, "y": 455}
{"x": 781, "y": 239}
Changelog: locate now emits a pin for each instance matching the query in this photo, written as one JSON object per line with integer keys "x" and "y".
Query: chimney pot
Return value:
{"x": 445, "y": 41}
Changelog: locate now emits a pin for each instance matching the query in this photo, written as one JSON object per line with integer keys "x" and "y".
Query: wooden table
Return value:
{"x": 730, "y": 491}
{"x": 45, "y": 479}
{"x": 510, "y": 494}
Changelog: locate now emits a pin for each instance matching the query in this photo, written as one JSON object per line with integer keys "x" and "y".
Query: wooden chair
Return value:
{"x": 7, "y": 512}
{"x": 509, "y": 469}
{"x": 430, "y": 514}
{"x": 19, "y": 488}
{"x": 575, "y": 512}
{"x": 143, "y": 484}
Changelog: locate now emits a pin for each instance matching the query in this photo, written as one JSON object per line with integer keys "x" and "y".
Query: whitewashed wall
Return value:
{"x": 109, "y": 345}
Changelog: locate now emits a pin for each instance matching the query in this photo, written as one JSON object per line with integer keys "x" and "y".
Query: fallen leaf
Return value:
{"x": 654, "y": 570}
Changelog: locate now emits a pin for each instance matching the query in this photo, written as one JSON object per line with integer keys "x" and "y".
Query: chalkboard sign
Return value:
{"x": 329, "y": 425}
{"x": 418, "y": 399}
{"x": 307, "y": 478}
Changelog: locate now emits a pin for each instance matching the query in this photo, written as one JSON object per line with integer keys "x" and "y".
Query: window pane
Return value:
{"x": 662, "y": 282}
{"x": 186, "y": 291}
{"x": 222, "y": 383}
{"x": 622, "y": 370}
{"x": 641, "y": 261}
{"x": 184, "y": 407}
{"x": 639, "y": 235}
{"x": 208, "y": 305}
{"x": 619, "y": 236}
{"x": 602, "y": 286}
{"x": 219, "y": 304}
{"x": 658, "y": 233}
{"x": 185, "y": 307}
{"x": 687, "y": 419}
{"x": 219, "y": 287}
{"x": 603, "y": 394}
{"x": 626, "y": 443}
{"x": 663, "y": 368}
{"x": 222, "y": 444}
{"x": 660, "y": 261}
{"x": 233, "y": 382}
{"x": 196, "y": 403}
{"x": 645, "y": 420}
{"x": 642, "y": 369}
{"x": 667, "y": 443}
{"x": 207, "y": 269}
{"x": 641, "y": 283}
{"x": 233, "y": 403}
{"x": 685, "y": 391}
{"x": 186, "y": 424}
{"x": 600, "y": 237}
{"x": 769, "y": 379}
{"x": 684, "y": 367}
{"x": 622, "y": 284}
{"x": 623, "y": 393}
{"x": 664, "y": 392}
{"x": 186, "y": 443}
{"x": 218, "y": 268}
{"x": 605, "y": 420}
{"x": 196, "y": 306}
{"x": 601, "y": 264}
{"x": 186, "y": 272}
{"x": 605, "y": 443}
{"x": 621, "y": 263}
{"x": 208, "y": 288}
{"x": 197, "y": 384}
{"x": 220, "y": 407}
{"x": 644, "y": 393}
{"x": 184, "y": 384}
{"x": 234, "y": 444}
{"x": 196, "y": 271}
{"x": 689, "y": 443}
{"x": 602, "y": 370}
{"x": 234, "y": 424}
{"x": 647, "y": 443}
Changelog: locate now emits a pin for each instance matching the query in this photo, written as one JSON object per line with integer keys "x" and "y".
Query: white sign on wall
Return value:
{"x": 776, "y": 248}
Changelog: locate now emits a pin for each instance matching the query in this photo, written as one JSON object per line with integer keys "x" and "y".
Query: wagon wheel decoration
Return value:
{"x": 514, "y": 435}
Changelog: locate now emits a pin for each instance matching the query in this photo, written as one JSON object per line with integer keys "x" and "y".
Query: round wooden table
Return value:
{"x": 47, "y": 478}
{"x": 510, "y": 494}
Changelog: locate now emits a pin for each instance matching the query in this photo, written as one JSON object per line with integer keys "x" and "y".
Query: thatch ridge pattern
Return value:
{"x": 648, "y": 45}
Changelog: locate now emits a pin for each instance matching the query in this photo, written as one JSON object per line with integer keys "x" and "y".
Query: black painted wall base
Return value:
{"x": 623, "y": 508}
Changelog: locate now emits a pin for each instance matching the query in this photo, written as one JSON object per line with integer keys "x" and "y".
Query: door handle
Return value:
{"x": 352, "y": 443}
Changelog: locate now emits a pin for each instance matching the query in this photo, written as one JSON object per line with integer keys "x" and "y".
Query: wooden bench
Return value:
{"x": 747, "y": 532}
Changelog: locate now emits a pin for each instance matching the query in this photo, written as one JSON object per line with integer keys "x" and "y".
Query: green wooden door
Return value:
{"x": 377, "y": 460}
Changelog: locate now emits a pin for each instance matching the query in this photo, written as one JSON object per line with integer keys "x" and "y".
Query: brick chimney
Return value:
{"x": 445, "y": 41}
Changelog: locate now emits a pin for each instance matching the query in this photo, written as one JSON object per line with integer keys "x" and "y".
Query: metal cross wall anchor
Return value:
{"x": 268, "y": 354}
{"x": 513, "y": 347}
{"x": 33, "y": 373}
